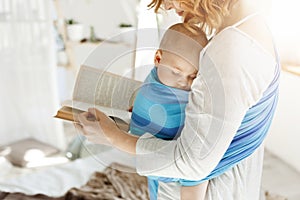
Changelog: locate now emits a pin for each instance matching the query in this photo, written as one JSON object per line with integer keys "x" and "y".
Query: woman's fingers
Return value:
{"x": 97, "y": 113}
{"x": 100, "y": 116}
{"x": 79, "y": 127}
{"x": 92, "y": 111}
{"x": 95, "y": 126}
{"x": 86, "y": 118}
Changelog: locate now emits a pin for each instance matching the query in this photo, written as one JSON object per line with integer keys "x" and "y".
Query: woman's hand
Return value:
{"x": 100, "y": 129}
{"x": 96, "y": 126}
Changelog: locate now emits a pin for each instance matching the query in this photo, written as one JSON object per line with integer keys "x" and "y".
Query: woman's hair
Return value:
{"x": 155, "y": 4}
{"x": 199, "y": 37}
{"x": 207, "y": 14}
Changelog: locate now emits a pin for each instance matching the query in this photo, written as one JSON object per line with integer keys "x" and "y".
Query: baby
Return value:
{"x": 159, "y": 107}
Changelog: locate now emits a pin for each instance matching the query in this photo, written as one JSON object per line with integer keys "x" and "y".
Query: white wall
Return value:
{"x": 284, "y": 136}
{"x": 104, "y": 15}
{"x": 286, "y": 30}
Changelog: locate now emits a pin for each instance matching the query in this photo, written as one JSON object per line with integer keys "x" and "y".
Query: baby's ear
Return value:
{"x": 157, "y": 56}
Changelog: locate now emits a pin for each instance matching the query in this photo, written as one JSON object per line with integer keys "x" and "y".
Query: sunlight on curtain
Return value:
{"x": 286, "y": 29}
{"x": 28, "y": 87}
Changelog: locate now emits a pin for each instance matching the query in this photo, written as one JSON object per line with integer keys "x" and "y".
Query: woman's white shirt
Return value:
{"x": 234, "y": 72}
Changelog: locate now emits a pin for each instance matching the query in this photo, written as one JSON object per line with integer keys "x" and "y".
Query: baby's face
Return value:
{"x": 175, "y": 71}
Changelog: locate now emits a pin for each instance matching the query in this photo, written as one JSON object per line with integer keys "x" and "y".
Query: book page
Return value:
{"x": 100, "y": 88}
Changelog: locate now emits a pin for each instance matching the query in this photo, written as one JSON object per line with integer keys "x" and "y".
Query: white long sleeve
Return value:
{"x": 233, "y": 75}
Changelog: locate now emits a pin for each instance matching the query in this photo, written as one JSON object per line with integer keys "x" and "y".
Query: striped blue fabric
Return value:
{"x": 159, "y": 110}
{"x": 251, "y": 132}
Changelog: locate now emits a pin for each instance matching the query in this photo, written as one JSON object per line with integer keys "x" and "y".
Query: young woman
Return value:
{"x": 230, "y": 109}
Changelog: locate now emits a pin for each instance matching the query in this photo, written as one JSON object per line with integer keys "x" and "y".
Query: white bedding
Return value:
{"x": 56, "y": 180}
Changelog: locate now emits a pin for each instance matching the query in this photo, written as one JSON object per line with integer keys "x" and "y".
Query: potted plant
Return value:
{"x": 75, "y": 30}
{"x": 123, "y": 25}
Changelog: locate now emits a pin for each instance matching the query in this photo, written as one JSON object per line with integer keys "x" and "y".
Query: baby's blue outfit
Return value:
{"x": 160, "y": 110}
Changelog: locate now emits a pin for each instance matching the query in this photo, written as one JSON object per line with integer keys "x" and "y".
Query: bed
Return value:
{"x": 108, "y": 175}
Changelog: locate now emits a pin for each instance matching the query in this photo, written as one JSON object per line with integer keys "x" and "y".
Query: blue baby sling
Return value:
{"x": 160, "y": 110}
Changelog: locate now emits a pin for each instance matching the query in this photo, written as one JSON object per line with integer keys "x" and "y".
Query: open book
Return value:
{"x": 68, "y": 113}
{"x": 111, "y": 93}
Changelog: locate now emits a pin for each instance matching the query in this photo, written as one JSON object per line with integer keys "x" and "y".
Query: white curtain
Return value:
{"x": 28, "y": 87}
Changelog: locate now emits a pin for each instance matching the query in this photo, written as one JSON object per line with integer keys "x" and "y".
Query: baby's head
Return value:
{"x": 177, "y": 59}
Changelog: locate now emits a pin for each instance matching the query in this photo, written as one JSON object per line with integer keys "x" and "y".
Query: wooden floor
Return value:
{"x": 279, "y": 178}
